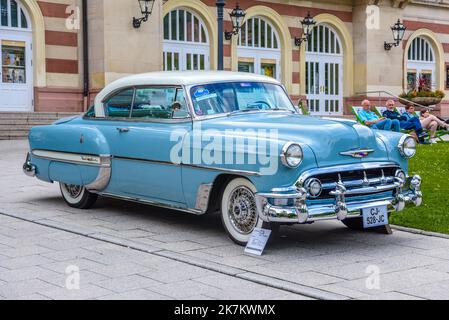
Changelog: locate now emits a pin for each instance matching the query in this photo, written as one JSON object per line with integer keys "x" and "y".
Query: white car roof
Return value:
{"x": 176, "y": 78}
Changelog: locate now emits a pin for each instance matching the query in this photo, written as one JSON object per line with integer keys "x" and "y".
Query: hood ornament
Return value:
{"x": 357, "y": 153}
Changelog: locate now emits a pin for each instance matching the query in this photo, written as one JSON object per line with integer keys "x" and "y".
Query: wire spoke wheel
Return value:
{"x": 73, "y": 190}
{"x": 242, "y": 210}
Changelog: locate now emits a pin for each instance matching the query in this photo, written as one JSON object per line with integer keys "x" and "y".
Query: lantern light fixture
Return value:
{"x": 237, "y": 17}
{"x": 398, "y": 30}
{"x": 146, "y": 8}
{"x": 307, "y": 26}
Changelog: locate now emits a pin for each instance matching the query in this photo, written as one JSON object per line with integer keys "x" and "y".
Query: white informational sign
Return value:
{"x": 258, "y": 241}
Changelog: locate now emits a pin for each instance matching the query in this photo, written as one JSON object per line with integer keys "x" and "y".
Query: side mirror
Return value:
{"x": 176, "y": 106}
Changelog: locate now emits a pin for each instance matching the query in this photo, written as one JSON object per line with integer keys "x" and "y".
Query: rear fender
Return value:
{"x": 72, "y": 154}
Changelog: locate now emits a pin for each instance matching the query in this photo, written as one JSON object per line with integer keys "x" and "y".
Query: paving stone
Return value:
{"x": 183, "y": 289}
{"x": 85, "y": 292}
{"x": 127, "y": 283}
{"x": 14, "y": 290}
{"x": 177, "y": 273}
{"x": 22, "y": 262}
{"x": 434, "y": 291}
{"x": 121, "y": 270}
{"x": 140, "y": 294}
{"x": 391, "y": 296}
{"x": 27, "y": 273}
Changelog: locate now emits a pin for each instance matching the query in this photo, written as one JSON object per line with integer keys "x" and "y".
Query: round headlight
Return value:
{"x": 407, "y": 147}
{"x": 292, "y": 155}
{"x": 314, "y": 187}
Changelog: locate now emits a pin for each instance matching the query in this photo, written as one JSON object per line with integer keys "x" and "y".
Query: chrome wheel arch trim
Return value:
{"x": 104, "y": 175}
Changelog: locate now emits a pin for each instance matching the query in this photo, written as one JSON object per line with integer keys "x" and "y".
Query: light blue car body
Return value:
{"x": 141, "y": 168}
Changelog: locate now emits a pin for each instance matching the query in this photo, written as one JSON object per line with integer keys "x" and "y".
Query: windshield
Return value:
{"x": 223, "y": 98}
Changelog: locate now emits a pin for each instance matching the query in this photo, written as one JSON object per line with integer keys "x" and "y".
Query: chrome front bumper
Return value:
{"x": 28, "y": 168}
{"x": 301, "y": 213}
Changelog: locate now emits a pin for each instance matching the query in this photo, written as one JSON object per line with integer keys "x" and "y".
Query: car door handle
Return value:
{"x": 123, "y": 130}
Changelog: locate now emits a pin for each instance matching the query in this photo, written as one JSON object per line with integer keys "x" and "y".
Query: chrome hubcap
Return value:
{"x": 74, "y": 191}
{"x": 242, "y": 210}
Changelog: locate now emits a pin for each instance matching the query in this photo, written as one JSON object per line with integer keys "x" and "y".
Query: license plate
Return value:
{"x": 375, "y": 217}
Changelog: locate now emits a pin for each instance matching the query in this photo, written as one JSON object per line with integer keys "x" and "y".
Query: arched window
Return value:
{"x": 259, "y": 48}
{"x": 13, "y": 15}
{"x": 420, "y": 65}
{"x": 324, "y": 71}
{"x": 186, "y": 41}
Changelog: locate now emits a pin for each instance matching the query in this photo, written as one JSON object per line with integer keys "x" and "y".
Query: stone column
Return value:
{"x": 375, "y": 68}
{"x": 116, "y": 48}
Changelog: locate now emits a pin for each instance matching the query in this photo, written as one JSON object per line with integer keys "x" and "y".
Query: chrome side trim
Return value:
{"x": 342, "y": 168}
{"x": 233, "y": 171}
{"x": 166, "y": 163}
{"x": 202, "y": 197}
{"x": 151, "y": 203}
{"x": 103, "y": 177}
{"x": 75, "y": 158}
{"x": 194, "y": 166}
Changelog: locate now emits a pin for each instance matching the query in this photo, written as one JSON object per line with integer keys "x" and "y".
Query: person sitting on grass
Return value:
{"x": 371, "y": 120}
{"x": 406, "y": 124}
{"x": 431, "y": 122}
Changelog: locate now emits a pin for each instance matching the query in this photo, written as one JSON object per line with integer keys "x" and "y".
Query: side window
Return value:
{"x": 90, "y": 112}
{"x": 119, "y": 106}
{"x": 183, "y": 111}
{"x": 156, "y": 103}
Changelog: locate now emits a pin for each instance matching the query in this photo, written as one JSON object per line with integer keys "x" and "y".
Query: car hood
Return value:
{"x": 327, "y": 138}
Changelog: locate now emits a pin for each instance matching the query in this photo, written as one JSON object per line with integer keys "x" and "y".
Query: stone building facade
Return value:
{"x": 44, "y": 61}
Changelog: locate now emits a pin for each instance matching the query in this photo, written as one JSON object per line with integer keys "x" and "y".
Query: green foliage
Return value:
{"x": 432, "y": 163}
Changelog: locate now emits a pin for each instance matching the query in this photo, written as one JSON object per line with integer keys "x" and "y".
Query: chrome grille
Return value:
{"x": 357, "y": 182}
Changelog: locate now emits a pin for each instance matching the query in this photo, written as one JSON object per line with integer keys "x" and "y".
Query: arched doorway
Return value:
{"x": 324, "y": 72}
{"x": 16, "y": 74}
{"x": 259, "y": 48}
{"x": 421, "y": 65}
{"x": 186, "y": 41}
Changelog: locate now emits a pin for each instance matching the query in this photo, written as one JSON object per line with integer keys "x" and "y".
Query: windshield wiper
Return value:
{"x": 249, "y": 109}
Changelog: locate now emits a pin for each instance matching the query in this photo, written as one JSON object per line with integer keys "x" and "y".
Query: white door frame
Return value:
{"x": 323, "y": 96}
{"x": 187, "y": 48}
{"x": 20, "y": 36}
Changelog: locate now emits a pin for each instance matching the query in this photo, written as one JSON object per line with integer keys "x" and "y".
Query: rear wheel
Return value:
{"x": 239, "y": 211}
{"x": 77, "y": 196}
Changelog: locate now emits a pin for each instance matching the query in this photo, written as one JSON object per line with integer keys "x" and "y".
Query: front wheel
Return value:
{"x": 239, "y": 211}
{"x": 77, "y": 196}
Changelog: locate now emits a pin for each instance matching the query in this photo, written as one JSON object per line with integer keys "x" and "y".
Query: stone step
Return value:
{"x": 11, "y": 122}
{"x": 17, "y": 125}
{"x": 23, "y": 127}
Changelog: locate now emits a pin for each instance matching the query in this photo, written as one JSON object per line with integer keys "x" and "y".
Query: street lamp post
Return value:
{"x": 398, "y": 35}
{"x": 220, "y": 13}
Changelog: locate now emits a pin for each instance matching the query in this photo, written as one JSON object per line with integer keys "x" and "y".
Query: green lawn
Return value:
{"x": 432, "y": 163}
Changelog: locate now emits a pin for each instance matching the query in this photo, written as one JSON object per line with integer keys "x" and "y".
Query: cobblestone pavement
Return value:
{"x": 126, "y": 250}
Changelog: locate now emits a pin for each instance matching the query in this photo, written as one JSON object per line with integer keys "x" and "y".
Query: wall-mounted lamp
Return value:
{"x": 398, "y": 34}
{"x": 307, "y": 26}
{"x": 146, "y": 8}
{"x": 237, "y": 17}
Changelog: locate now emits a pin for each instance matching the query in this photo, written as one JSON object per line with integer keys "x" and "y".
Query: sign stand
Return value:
{"x": 259, "y": 238}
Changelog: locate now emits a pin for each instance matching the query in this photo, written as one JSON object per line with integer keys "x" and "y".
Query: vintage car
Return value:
{"x": 233, "y": 143}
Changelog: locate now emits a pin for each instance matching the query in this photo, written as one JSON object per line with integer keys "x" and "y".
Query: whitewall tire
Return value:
{"x": 77, "y": 196}
{"x": 238, "y": 210}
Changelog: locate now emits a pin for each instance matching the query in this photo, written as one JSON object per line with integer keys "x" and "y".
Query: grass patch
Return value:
{"x": 432, "y": 163}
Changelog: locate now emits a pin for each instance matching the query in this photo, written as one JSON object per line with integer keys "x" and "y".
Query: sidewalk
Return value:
{"x": 324, "y": 260}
